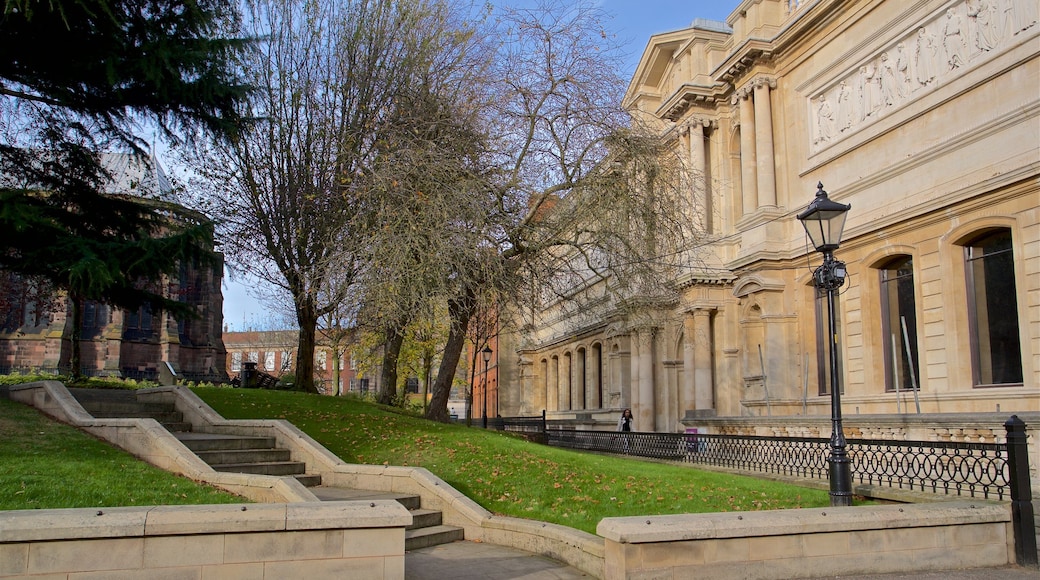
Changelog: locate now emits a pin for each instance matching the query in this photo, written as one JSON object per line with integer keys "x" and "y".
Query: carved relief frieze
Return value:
{"x": 924, "y": 57}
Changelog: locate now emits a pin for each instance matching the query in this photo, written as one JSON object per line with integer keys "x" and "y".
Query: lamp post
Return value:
{"x": 487, "y": 358}
{"x": 824, "y": 221}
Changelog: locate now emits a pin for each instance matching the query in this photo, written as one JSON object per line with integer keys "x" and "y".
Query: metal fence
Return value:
{"x": 982, "y": 470}
{"x": 978, "y": 470}
{"x": 969, "y": 469}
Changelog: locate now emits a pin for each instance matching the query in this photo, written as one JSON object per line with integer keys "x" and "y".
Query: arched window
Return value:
{"x": 899, "y": 324}
{"x": 993, "y": 309}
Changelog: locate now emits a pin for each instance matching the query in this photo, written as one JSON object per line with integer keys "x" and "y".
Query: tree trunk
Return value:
{"x": 308, "y": 320}
{"x": 75, "y": 336}
{"x": 427, "y": 365}
{"x": 335, "y": 368}
{"x": 460, "y": 311}
{"x": 391, "y": 354}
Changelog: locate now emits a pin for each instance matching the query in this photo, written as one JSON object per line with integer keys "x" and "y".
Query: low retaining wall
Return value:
{"x": 348, "y": 539}
{"x": 809, "y": 543}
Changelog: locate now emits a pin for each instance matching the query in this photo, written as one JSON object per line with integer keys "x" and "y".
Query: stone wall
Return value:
{"x": 318, "y": 540}
{"x": 809, "y": 543}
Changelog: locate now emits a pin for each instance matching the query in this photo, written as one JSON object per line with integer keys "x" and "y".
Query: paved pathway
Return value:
{"x": 468, "y": 560}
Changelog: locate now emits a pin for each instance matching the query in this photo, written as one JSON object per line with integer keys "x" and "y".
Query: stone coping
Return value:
{"x": 126, "y": 522}
{"x": 680, "y": 527}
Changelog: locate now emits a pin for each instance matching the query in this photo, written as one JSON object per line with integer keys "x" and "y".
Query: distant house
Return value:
{"x": 275, "y": 353}
{"x": 35, "y": 325}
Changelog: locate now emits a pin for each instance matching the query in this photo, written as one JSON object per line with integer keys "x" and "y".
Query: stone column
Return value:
{"x": 633, "y": 374}
{"x": 578, "y": 393}
{"x": 646, "y": 414}
{"x": 748, "y": 159}
{"x": 553, "y": 383}
{"x": 593, "y": 366}
{"x": 700, "y": 208}
{"x": 565, "y": 382}
{"x": 687, "y": 400}
{"x": 764, "y": 142}
{"x": 702, "y": 359}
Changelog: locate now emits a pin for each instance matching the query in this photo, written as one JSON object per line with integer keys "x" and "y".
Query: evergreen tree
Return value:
{"x": 76, "y": 81}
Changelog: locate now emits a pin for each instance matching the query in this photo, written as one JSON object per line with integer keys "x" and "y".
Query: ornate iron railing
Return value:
{"x": 968, "y": 469}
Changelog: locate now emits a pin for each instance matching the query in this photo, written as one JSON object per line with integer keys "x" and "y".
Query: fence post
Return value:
{"x": 544, "y": 427}
{"x": 1021, "y": 493}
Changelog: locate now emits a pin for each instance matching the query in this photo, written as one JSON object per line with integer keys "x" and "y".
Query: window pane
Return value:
{"x": 997, "y": 351}
{"x": 899, "y": 325}
{"x": 823, "y": 345}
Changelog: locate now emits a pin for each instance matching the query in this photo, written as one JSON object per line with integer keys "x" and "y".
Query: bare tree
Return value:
{"x": 292, "y": 192}
{"x": 575, "y": 191}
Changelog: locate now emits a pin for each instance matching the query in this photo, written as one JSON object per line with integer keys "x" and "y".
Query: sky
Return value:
{"x": 634, "y": 22}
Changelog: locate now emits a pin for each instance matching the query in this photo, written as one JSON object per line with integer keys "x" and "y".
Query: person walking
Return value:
{"x": 624, "y": 425}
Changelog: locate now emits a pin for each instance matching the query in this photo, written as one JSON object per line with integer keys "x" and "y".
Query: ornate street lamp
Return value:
{"x": 824, "y": 221}
{"x": 487, "y": 358}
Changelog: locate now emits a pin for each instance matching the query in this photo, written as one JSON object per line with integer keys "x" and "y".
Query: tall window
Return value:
{"x": 993, "y": 309}
{"x": 824, "y": 343}
{"x": 899, "y": 325}
{"x": 236, "y": 361}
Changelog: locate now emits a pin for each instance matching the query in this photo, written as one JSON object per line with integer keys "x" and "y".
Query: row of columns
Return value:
{"x": 697, "y": 389}
{"x": 758, "y": 173}
{"x": 701, "y": 203}
{"x": 577, "y": 386}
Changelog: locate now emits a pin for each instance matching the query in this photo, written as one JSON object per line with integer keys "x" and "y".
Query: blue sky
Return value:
{"x": 634, "y": 22}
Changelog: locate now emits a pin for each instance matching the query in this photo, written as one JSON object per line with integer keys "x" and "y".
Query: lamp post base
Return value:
{"x": 840, "y": 471}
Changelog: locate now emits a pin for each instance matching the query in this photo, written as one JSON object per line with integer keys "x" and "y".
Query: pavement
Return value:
{"x": 466, "y": 560}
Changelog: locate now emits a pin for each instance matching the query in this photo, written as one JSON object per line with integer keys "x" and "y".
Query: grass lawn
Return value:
{"x": 47, "y": 464}
{"x": 508, "y": 475}
{"x": 50, "y": 465}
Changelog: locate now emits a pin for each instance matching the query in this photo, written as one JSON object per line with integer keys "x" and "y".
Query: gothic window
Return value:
{"x": 899, "y": 325}
{"x": 139, "y": 324}
{"x": 95, "y": 318}
{"x": 993, "y": 309}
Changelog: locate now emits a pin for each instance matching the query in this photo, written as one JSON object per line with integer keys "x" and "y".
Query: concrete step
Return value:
{"x": 216, "y": 442}
{"x": 181, "y": 427}
{"x": 225, "y": 456}
{"x": 309, "y": 479}
{"x": 423, "y": 518}
{"x": 432, "y": 536}
{"x": 325, "y": 493}
{"x": 265, "y": 468}
{"x": 123, "y": 404}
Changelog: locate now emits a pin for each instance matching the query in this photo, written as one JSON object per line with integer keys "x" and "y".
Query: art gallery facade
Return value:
{"x": 925, "y": 117}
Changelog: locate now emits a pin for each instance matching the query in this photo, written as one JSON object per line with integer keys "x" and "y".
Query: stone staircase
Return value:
{"x": 427, "y": 528}
{"x": 246, "y": 454}
{"x": 259, "y": 455}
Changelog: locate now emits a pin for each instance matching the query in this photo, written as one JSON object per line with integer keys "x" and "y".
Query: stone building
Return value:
{"x": 925, "y": 117}
{"x": 275, "y": 353}
{"x": 35, "y": 327}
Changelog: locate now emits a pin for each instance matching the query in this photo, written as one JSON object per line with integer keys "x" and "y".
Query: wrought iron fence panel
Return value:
{"x": 971, "y": 469}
